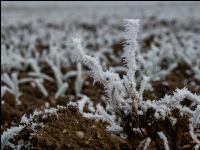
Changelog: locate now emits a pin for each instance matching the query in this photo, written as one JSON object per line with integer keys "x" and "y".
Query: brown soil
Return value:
{"x": 177, "y": 135}
{"x": 62, "y": 131}
{"x": 12, "y": 113}
{"x": 180, "y": 77}
{"x": 32, "y": 98}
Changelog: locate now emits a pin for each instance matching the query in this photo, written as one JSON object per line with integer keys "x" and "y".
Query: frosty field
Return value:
{"x": 100, "y": 75}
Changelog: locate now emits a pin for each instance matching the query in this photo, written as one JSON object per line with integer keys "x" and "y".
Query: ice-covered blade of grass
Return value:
{"x": 13, "y": 85}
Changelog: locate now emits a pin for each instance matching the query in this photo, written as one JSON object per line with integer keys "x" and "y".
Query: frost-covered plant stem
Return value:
{"x": 9, "y": 134}
{"x": 164, "y": 138}
{"x": 62, "y": 86}
{"x": 147, "y": 143}
{"x": 124, "y": 98}
{"x": 116, "y": 88}
{"x": 130, "y": 47}
{"x": 40, "y": 85}
{"x": 121, "y": 93}
{"x": 13, "y": 84}
{"x": 166, "y": 105}
{"x": 79, "y": 80}
{"x": 110, "y": 80}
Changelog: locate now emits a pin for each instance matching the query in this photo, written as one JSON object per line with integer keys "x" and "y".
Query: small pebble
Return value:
{"x": 21, "y": 142}
{"x": 87, "y": 143}
{"x": 186, "y": 146}
{"x": 64, "y": 131}
{"x": 80, "y": 134}
{"x": 98, "y": 135}
{"x": 33, "y": 84}
{"x": 47, "y": 104}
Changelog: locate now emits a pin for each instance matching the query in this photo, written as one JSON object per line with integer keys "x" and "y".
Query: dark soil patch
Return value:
{"x": 118, "y": 48}
{"x": 12, "y": 113}
{"x": 88, "y": 27}
{"x": 177, "y": 135}
{"x": 69, "y": 130}
{"x": 32, "y": 98}
{"x": 93, "y": 91}
{"x": 180, "y": 77}
{"x": 146, "y": 43}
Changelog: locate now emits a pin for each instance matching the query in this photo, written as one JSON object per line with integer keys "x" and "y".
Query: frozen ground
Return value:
{"x": 37, "y": 73}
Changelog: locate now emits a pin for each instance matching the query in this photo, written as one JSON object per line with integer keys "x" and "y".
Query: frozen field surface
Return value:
{"x": 100, "y": 75}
